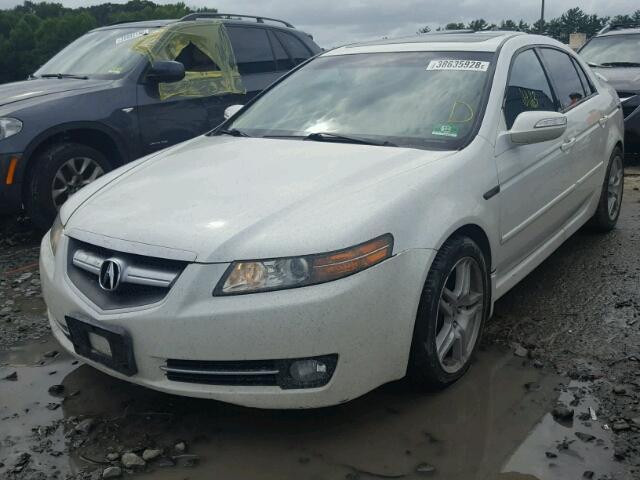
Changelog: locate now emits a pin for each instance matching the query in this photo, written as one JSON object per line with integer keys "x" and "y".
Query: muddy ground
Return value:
{"x": 554, "y": 393}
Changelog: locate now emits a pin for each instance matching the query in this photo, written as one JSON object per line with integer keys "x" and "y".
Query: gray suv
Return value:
{"x": 615, "y": 54}
{"x": 124, "y": 91}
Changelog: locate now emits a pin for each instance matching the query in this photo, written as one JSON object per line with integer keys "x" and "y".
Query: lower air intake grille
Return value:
{"x": 287, "y": 374}
{"x": 249, "y": 372}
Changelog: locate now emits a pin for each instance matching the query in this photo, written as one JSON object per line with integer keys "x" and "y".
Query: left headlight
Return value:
{"x": 9, "y": 127}
{"x": 55, "y": 233}
{"x": 281, "y": 273}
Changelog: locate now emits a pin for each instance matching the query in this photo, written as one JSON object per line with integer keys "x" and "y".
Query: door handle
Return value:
{"x": 603, "y": 121}
{"x": 568, "y": 144}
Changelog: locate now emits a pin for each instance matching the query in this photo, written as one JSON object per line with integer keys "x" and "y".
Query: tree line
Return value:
{"x": 574, "y": 20}
{"x": 33, "y": 32}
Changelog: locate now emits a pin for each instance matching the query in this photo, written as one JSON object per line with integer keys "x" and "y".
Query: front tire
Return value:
{"x": 610, "y": 203}
{"x": 453, "y": 308}
{"x": 59, "y": 172}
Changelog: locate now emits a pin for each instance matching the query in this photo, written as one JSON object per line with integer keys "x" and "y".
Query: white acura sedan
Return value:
{"x": 351, "y": 226}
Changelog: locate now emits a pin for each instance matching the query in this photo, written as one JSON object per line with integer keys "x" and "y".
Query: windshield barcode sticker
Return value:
{"x": 466, "y": 65}
{"x": 131, "y": 36}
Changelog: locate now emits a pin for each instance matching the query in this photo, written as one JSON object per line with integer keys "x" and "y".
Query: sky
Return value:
{"x": 334, "y": 22}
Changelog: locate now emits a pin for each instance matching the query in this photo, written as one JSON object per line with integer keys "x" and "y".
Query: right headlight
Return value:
{"x": 290, "y": 272}
{"x": 55, "y": 234}
{"x": 9, "y": 127}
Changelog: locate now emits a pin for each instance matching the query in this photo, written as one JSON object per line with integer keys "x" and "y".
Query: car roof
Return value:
{"x": 620, "y": 31}
{"x": 164, "y": 23}
{"x": 488, "y": 41}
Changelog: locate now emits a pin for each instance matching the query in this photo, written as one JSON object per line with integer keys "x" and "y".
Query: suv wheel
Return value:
{"x": 61, "y": 171}
{"x": 454, "y": 305}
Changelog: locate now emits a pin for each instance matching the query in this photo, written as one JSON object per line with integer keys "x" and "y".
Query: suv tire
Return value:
{"x": 60, "y": 170}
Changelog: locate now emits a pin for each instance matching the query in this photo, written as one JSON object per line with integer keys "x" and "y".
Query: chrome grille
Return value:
{"x": 142, "y": 281}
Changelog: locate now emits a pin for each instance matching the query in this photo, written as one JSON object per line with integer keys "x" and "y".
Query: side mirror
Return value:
{"x": 537, "y": 126}
{"x": 166, "y": 72}
{"x": 231, "y": 111}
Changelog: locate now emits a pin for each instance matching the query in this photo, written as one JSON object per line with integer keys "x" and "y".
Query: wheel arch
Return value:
{"x": 476, "y": 233}
{"x": 91, "y": 134}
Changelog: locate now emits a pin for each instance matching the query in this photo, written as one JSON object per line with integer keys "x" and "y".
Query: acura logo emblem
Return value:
{"x": 110, "y": 273}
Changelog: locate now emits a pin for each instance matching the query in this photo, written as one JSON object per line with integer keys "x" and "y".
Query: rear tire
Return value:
{"x": 454, "y": 305}
{"x": 610, "y": 203}
{"x": 60, "y": 171}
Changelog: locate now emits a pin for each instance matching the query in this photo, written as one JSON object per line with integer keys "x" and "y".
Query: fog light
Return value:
{"x": 307, "y": 372}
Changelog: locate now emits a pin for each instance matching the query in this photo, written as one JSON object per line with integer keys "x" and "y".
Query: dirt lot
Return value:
{"x": 554, "y": 393}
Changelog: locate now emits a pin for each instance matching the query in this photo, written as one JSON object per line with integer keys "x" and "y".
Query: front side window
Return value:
{"x": 528, "y": 88}
{"x": 98, "y": 54}
{"x": 252, "y": 50}
{"x": 613, "y": 51}
{"x": 429, "y": 100}
{"x": 564, "y": 76}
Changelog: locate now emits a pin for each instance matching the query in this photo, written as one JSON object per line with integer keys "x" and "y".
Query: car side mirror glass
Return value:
{"x": 166, "y": 72}
{"x": 231, "y": 111}
{"x": 537, "y": 126}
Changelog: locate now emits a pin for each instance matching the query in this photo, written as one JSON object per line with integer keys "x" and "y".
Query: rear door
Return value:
{"x": 254, "y": 57}
{"x": 585, "y": 138}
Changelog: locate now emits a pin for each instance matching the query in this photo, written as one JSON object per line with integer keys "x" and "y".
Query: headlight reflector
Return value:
{"x": 9, "y": 127}
{"x": 55, "y": 233}
{"x": 281, "y": 273}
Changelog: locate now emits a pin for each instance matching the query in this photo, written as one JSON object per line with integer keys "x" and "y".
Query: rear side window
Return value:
{"x": 252, "y": 50}
{"x": 283, "y": 61}
{"x": 586, "y": 84}
{"x": 528, "y": 88}
{"x": 296, "y": 49}
{"x": 564, "y": 76}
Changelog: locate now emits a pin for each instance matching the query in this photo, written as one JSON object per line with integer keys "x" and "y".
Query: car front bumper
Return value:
{"x": 366, "y": 319}
{"x": 11, "y": 167}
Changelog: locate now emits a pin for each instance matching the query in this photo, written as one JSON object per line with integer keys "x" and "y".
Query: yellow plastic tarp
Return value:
{"x": 210, "y": 38}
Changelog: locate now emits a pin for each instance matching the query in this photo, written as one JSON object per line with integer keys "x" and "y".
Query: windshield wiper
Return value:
{"x": 621, "y": 64}
{"x": 596, "y": 65}
{"x": 337, "y": 137}
{"x": 234, "y": 132}
{"x": 64, "y": 75}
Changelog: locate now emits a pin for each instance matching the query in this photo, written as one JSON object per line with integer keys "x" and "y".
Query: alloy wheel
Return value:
{"x": 460, "y": 312}
{"x": 72, "y": 175}
{"x": 614, "y": 188}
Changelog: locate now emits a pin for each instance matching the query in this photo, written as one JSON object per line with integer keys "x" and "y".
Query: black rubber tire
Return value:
{"x": 601, "y": 221}
{"x": 38, "y": 201}
{"x": 424, "y": 370}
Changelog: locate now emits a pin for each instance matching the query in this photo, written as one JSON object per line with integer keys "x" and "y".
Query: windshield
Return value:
{"x": 612, "y": 50}
{"x": 100, "y": 54}
{"x": 413, "y": 99}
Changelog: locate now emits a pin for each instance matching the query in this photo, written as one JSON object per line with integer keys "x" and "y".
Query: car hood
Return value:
{"x": 623, "y": 79}
{"x": 225, "y": 198}
{"x": 28, "y": 89}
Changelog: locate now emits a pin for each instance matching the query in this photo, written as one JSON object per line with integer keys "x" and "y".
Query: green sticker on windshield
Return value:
{"x": 445, "y": 130}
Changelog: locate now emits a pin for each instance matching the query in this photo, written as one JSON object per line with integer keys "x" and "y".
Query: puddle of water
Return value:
{"x": 27, "y": 424}
{"x": 470, "y": 431}
{"x": 574, "y": 456}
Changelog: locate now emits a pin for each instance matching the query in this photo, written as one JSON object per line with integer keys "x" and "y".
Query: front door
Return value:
{"x": 536, "y": 179}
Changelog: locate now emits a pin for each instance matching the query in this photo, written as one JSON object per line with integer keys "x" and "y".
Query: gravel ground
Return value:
{"x": 555, "y": 393}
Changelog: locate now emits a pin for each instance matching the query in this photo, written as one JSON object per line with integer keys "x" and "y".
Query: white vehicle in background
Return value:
{"x": 352, "y": 225}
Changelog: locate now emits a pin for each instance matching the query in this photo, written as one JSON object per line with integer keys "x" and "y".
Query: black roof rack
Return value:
{"x": 232, "y": 16}
{"x": 618, "y": 26}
